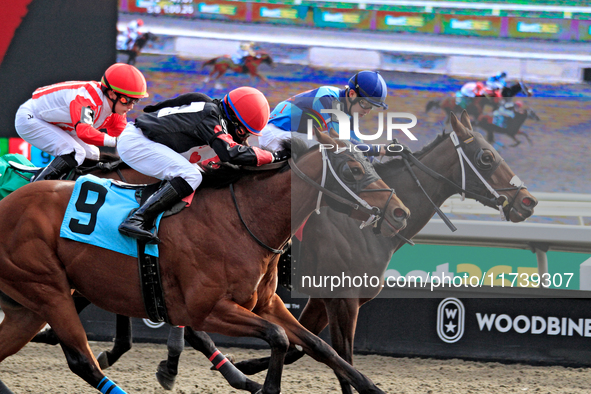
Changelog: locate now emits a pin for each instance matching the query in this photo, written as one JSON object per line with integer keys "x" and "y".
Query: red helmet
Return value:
{"x": 140, "y": 22}
{"x": 251, "y": 108}
{"x": 125, "y": 79}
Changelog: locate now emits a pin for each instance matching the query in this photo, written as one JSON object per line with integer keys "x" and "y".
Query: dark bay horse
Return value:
{"x": 224, "y": 63}
{"x": 359, "y": 252}
{"x": 512, "y": 128}
{"x": 209, "y": 285}
{"x": 137, "y": 47}
{"x": 475, "y": 106}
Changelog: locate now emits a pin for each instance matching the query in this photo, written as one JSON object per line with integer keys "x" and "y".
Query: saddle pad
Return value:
{"x": 95, "y": 211}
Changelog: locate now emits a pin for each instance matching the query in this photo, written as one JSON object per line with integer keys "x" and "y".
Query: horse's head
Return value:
{"x": 489, "y": 179}
{"x": 359, "y": 190}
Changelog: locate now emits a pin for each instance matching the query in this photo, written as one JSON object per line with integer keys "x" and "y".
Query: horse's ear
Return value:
{"x": 325, "y": 139}
{"x": 453, "y": 121}
{"x": 465, "y": 119}
{"x": 458, "y": 127}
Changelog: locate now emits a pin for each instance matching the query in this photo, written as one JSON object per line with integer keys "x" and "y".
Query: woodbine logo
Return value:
{"x": 536, "y": 325}
{"x": 450, "y": 320}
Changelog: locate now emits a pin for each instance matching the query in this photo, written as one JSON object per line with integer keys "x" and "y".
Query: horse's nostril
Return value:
{"x": 528, "y": 202}
{"x": 399, "y": 213}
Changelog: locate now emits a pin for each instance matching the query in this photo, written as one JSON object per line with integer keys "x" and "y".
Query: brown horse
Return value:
{"x": 209, "y": 285}
{"x": 224, "y": 63}
{"x": 440, "y": 174}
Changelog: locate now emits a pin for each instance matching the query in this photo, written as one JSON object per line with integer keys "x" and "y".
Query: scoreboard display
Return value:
{"x": 169, "y": 7}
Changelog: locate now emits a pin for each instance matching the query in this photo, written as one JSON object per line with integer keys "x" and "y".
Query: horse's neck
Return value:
{"x": 442, "y": 159}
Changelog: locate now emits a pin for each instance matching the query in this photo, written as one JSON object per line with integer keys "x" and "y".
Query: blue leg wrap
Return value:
{"x": 106, "y": 386}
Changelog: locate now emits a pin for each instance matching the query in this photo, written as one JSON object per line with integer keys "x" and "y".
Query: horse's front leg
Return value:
{"x": 201, "y": 342}
{"x": 342, "y": 315}
{"x": 263, "y": 78}
{"x": 526, "y": 137}
{"x": 229, "y": 318}
{"x": 315, "y": 347}
{"x": 122, "y": 343}
{"x": 313, "y": 317}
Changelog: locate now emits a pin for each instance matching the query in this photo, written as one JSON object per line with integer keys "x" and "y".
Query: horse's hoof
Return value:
{"x": 164, "y": 376}
{"x": 103, "y": 360}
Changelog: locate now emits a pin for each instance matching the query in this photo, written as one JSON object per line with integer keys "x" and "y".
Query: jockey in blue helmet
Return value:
{"x": 370, "y": 87}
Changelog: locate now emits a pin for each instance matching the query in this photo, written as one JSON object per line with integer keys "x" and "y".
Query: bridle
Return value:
{"x": 329, "y": 175}
{"x": 464, "y": 149}
{"x": 343, "y": 194}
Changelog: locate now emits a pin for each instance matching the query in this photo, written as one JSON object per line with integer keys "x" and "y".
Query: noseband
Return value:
{"x": 334, "y": 187}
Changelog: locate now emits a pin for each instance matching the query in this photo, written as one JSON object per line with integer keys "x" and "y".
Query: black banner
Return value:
{"x": 53, "y": 41}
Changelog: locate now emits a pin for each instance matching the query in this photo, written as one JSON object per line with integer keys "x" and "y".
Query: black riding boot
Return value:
{"x": 59, "y": 166}
{"x": 140, "y": 223}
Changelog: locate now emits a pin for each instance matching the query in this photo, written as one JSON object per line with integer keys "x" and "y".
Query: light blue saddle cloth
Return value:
{"x": 95, "y": 211}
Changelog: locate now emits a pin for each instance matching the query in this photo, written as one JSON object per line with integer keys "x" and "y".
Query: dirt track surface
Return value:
{"x": 41, "y": 368}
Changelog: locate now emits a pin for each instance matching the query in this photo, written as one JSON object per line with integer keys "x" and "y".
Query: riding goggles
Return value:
{"x": 128, "y": 100}
{"x": 364, "y": 104}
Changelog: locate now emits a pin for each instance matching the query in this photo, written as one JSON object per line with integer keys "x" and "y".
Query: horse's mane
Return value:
{"x": 228, "y": 173}
{"x": 383, "y": 168}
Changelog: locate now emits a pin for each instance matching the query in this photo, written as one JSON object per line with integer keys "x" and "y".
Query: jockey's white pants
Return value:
{"x": 50, "y": 138}
{"x": 272, "y": 137}
{"x": 155, "y": 159}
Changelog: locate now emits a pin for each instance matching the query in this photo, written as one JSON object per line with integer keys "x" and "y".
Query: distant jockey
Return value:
{"x": 246, "y": 49}
{"x": 498, "y": 81}
{"x": 133, "y": 32}
{"x": 472, "y": 90}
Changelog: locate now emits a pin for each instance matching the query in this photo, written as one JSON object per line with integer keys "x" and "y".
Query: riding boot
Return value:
{"x": 58, "y": 167}
{"x": 140, "y": 223}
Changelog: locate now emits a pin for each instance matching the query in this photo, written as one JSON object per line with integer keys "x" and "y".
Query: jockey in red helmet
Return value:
{"x": 173, "y": 135}
{"x": 64, "y": 119}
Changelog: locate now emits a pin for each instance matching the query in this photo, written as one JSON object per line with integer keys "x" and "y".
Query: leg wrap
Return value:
{"x": 106, "y": 386}
{"x": 228, "y": 370}
{"x": 176, "y": 341}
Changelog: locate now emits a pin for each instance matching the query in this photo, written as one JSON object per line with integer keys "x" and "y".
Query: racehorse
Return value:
{"x": 475, "y": 106}
{"x": 137, "y": 47}
{"x": 439, "y": 171}
{"x": 208, "y": 285}
{"x": 224, "y": 63}
{"x": 513, "y": 126}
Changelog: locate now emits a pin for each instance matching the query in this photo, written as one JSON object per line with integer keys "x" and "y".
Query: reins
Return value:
{"x": 408, "y": 157}
{"x": 103, "y": 167}
{"x": 270, "y": 249}
{"x": 375, "y": 217}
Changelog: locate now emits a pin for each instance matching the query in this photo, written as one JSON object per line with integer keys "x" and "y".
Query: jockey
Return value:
{"x": 506, "y": 115}
{"x": 246, "y": 49}
{"x": 160, "y": 142}
{"x": 133, "y": 28}
{"x": 497, "y": 81}
{"x": 471, "y": 90}
{"x": 366, "y": 90}
{"x": 64, "y": 119}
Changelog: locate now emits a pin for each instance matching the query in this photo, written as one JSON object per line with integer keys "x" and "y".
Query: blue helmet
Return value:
{"x": 371, "y": 86}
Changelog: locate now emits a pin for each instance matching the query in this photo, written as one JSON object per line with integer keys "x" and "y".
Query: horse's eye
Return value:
{"x": 485, "y": 159}
{"x": 347, "y": 173}
{"x": 352, "y": 173}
